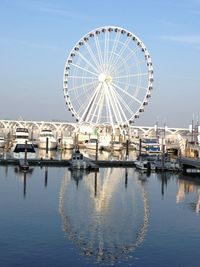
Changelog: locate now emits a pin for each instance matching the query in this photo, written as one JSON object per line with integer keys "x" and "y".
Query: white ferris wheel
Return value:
{"x": 108, "y": 77}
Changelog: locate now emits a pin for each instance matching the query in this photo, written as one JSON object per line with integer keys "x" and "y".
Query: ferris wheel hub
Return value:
{"x": 104, "y": 78}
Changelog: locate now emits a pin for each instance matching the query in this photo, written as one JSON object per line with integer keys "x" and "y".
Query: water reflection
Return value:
{"x": 104, "y": 215}
{"x": 46, "y": 177}
{"x": 23, "y": 176}
{"x": 188, "y": 185}
{"x": 51, "y": 154}
{"x": 164, "y": 177}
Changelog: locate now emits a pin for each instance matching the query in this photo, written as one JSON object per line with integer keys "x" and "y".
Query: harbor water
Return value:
{"x": 115, "y": 217}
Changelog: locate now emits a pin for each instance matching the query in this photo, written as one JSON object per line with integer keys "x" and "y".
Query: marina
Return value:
{"x": 138, "y": 148}
{"x": 99, "y": 177}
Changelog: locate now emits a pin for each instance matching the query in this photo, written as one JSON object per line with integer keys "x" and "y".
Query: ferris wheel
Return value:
{"x": 108, "y": 77}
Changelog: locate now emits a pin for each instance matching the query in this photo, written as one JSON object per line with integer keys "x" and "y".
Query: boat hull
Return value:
{"x": 2, "y": 144}
{"x": 51, "y": 144}
{"x": 22, "y": 151}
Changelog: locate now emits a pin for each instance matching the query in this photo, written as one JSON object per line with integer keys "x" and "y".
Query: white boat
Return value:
{"x": 116, "y": 146}
{"x": 91, "y": 144}
{"x": 67, "y": 142}
{"x": 21, "y": 136}
{"x": 47, "y": 137}
{"x": 144, "y": 165}
{"x": 2, "y": 142}
{"x": 21, "y": 149}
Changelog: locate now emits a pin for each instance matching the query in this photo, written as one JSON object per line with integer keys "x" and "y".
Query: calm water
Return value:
{"x": 121, "y": 217}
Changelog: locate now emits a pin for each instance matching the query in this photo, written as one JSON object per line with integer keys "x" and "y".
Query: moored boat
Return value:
{"x": 148, "y": 146}
{"x": 22, "y": 151}
{"x": 144, "y": 165}
{"x": 91, "y": 144}
{"x": 116, "y": 146}
{"x": 2, "y": 142}
{"x": 67, "y": 142}
{"x": 47, "y": 138}
{"x": 21, "y": 136}
{"x": 78, "y": 161}
{"x": 164, "y": 163}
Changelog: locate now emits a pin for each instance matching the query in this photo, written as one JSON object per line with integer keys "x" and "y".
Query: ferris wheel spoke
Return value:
{"x": 131, "y": 75}
{"x": 115, "y": 106}
{"x": 83, "y": 85}
{"x": 128, "y": 57}
{"x": 106, "y": 49}
{"x": 87, "y": 106}
{"x": 90, "y": 105}
{"x": 81, "y": 77}
{"x": 88, "y": 62}
{"x": 93, "y": 56}
{"x": 89, "y": 114}
{"x": 82, "y": 104}
{"x": 119, "y": 108}
{"x": 98, "y": 105}
{"x": 132, "y": 85}
{"x": 114, "y": 47}
{"x": 99, "y": 52}
{"x": 84, "y": 69}
{"x": 125, "y": 92}
{"x": 123, "y": 102}
{"x": 109, "y": 112}
{"x": 115, "y": 61}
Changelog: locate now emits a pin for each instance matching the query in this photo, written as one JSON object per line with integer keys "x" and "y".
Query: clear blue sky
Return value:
{"x": 37, "y": 35}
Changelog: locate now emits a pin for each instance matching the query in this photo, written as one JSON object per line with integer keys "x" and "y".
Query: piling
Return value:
{"x": 95, "y": 184}
{"x": 25, "y": 154}
{"x": 47, "y": 146}
{"x": 127, "y": 149}
{"x": 96, "y": 154}
{"x": 140, "y": 147}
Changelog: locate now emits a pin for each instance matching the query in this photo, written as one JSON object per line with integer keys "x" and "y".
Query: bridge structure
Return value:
{"x": 7, "y": 126}
{"x": 146, "y": 130}
{"x": 58, "y": 126}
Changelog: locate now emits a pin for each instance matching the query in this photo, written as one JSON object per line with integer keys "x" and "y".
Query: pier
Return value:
{"x": 66, "y": 163}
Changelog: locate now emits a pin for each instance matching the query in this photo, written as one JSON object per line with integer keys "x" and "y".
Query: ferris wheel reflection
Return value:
{"x": 105, "y": 214}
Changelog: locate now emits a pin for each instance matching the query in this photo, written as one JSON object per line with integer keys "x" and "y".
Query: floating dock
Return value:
{"x": 63, "y": 163}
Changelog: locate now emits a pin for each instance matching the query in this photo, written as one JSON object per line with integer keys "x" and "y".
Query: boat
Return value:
{"x": 78, "y": 161}
{"x": 144, "y": 165}
{"x": 21, "y": 136}
{"x": 67, "y": 142}
{"x": 47, "y": 138}
{"x": 91, "y": 144}
{"x": 116, "y": 146}
{"x": 164, "y": 163}
{"x": 2, "y": 142}
{"x": 22, "y": 151}
{"x": 149, "y": 146}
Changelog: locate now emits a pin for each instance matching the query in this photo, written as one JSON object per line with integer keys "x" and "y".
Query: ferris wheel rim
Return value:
{"x": 100, "y": 77}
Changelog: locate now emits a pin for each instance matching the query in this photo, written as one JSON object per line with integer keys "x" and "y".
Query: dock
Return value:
{"x": 66, "y": 163}
{"x": 189, "y": 163}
